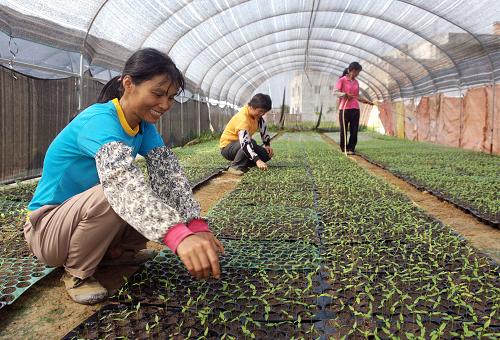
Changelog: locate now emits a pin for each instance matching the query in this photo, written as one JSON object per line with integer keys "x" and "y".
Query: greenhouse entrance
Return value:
{"x": 292, "y": 170}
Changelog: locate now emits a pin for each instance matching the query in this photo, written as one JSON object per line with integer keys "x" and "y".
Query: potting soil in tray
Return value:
{"x": 17, "y": 275}
{"x": 154, "y": 322}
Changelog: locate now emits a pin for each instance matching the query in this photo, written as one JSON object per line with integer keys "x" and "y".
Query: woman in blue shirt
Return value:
{"x": 94, "y": 205}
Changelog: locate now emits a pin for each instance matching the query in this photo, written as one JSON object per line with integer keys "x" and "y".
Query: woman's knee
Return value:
{"x": 100, "y": 205}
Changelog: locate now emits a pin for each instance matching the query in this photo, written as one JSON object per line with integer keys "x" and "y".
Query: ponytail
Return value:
{"x": 143, "y": 65}
{"x": 346, "y": 71}
{"x": 112, "y": 89}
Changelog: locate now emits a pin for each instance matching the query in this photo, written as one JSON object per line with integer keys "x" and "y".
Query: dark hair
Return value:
{"x": 261, "y": 101}
{"x": 352, "y": 66}
{"x": 143, "y": 65}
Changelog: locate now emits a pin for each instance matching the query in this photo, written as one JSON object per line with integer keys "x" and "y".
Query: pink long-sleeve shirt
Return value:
{"x": 350, "y": 87}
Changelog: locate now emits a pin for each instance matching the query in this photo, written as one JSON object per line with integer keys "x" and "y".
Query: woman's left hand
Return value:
{"x": 213, "y": 240}
{"x": 269, "y": 150}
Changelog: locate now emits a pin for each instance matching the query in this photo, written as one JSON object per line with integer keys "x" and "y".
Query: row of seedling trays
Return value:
{"x": 315, "y": 247}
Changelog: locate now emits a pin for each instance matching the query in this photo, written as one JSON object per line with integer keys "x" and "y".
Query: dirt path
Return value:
{"x": 482, "y": 236}
{"x": 46, "y": 312}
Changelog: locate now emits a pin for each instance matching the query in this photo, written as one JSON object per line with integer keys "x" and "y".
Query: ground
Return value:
{"x": 46, "y": 312}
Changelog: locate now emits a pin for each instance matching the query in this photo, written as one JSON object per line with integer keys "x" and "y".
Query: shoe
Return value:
{"x": 235, "y": 171}
{"x": 350, "y": 153}
{"x": 130, "y": 258}
{"x": 85, "y": 291}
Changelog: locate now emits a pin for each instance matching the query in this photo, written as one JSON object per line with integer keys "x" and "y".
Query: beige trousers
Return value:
{"x": 77, "y": 233}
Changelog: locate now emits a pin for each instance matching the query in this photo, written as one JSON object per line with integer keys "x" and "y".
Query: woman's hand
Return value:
{"x": 199, "y": 255}
{"x": 269, "y": 150}
{"x": 216, "y": 244}
{"x": 261, "y": 165}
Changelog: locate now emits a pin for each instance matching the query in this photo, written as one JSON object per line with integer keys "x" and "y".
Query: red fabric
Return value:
{"x": 386, "y": 117}
{"x": 175, "y": 235}
{"x": 448, "y": 123}
{"x": 475, "y": 120}
{"x": 471, "y": 123}
{"x": 198, "y": 225}
{"x": 423, "y": 121}
{"x": 434, "y": 102}
{"x": 398, "y": 119}
{"x": 495, "y": 119}
{"x": 410, "y": 120}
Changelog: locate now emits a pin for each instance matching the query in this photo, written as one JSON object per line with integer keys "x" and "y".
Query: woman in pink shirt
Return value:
{"x": 348, "y": 91}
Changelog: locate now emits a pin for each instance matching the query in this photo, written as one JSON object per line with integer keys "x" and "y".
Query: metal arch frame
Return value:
{"x": 82, "y": 51}
{"x": 189, "y": 2}
{"x": 227, "y": 88}
{"x": 429, "y": 73}
{"x": 329, "y": 41}
{"x": 296, "y": 66}
{"x": 194, "y": 27}
{"x": 485, "y": 53}
{"x": 238, "y": 93}
{"x": 364, "y": 79}
{"x": 355, "y": 13}
{"x": 454, "y": 24}
{"x": 322, "y": 55}
{"x": 371, "y": 86}
{"x": 410, "y": 79}
{"x": 296, "y": 12}
{"x": 312, "y": 20}
{"x": 91, "y": 24}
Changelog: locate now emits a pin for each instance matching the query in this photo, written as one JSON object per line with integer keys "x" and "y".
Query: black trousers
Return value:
{"x": 349, "y": 123}
{"x": 233, "y": 152}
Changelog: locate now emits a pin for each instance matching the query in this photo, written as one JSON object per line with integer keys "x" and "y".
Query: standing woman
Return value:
{"x": 94, "y": 206}
{"x": 348, "y": 91}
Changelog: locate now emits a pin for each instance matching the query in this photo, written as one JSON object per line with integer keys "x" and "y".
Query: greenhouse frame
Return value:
{"x": 399, "y": 238}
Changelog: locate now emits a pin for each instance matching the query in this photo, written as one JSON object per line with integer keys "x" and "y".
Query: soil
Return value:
{"x": 45, "y": 311}
{"x": 483, "y": 237}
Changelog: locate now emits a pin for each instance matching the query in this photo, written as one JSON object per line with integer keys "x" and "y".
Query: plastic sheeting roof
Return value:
{"x": 227, "y": 48}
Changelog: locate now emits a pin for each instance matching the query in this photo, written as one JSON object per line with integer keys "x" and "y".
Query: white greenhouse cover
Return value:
{"x": 227, "y": 48}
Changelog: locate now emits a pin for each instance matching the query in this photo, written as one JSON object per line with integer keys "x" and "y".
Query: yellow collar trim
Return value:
{"x": 123, "y": 120}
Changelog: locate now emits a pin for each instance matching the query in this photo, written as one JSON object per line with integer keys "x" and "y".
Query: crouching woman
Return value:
{"x": 94, "y": 206}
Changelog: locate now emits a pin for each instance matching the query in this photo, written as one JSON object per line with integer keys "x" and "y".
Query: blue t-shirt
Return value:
{"x": 69, "y": 167}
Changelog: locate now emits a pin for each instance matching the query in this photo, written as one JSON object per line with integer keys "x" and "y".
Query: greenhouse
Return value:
{"x": 251, "y": 169}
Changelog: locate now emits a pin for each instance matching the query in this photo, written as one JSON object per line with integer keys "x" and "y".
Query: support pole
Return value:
{"x": 80, "y": 84}
{"x": 319, "y": 118}
{"x": 492, "y": 130}
{"x": 282, "y": 118}
{"x": 462, "y": 103}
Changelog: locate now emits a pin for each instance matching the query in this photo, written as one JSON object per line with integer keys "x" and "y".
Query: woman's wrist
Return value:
{"x": 198, "y": 225}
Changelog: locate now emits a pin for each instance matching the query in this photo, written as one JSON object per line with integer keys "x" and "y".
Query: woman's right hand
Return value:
{"x": 199, "y": 257}
{"x": 261, "y": 165}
